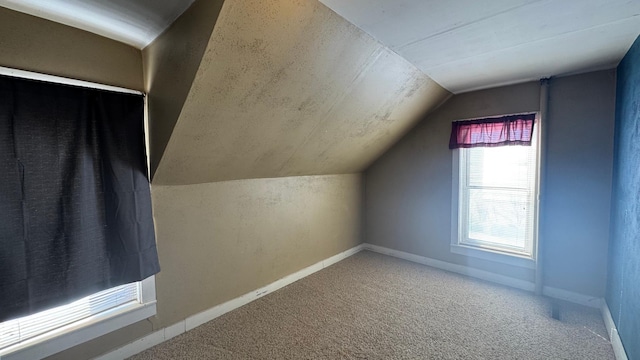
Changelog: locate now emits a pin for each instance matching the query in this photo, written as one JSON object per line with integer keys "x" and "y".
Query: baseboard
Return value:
{"x": 574, "y": 297}
{"x": 614, "y": 337}
{"x": 196, "y": 320}
{"x": 460, "y": 269}
{"x": 489, "y": 276}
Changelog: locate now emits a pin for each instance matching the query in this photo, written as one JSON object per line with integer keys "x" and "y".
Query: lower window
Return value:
{"x": 496, "y": 199}
{"x": 53, "y": 330}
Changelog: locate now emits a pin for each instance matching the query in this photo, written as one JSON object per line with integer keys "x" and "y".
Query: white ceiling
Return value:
{"x": 133, "y": 22}
{"x": 462, "y": 44}
{"x": 469, "y": 44}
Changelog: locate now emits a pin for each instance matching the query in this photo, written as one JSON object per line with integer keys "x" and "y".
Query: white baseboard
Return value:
{"x": 574, "y": 297}
{"x": 551, "y": 292}
{"x": 614, "y": 337}
{"x": 460, "y": 269}
{"x": 196, "y": 320}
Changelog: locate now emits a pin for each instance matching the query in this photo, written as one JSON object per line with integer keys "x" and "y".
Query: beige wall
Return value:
{"x": 284, "y": 88}
{"x": 218, "y": 241}
{"x": 31, "y": 43}
{"x": 408, "y": 190}
{"x": 170, "y": 65}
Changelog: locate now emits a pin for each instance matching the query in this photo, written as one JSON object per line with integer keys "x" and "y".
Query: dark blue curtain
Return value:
{"x": 75, "y": 205}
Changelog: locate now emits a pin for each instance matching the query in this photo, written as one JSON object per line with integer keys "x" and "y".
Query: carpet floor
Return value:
{"x": 372, "y": 306}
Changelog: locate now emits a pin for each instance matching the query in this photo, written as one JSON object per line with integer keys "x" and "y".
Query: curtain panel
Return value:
{"x": 75, "y": 204}
{"x": 495, "y": 131}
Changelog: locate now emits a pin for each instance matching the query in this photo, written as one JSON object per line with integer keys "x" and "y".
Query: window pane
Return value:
{"x": 497, "y": 197}
{"x": 24, "y": 328}
{"x": 506, "y": 166}
{"x": 499, "y": 217}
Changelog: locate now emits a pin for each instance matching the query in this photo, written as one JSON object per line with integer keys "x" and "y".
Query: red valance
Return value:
{"x": 495, "y": 131}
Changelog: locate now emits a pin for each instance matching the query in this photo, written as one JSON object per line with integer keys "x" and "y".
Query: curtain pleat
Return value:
{"x": 75, "y": 205}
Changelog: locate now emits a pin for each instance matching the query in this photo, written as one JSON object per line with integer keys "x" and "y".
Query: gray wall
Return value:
{"x": 408, "y": 190}
{"x": 578, "y": 183}
{"x": 170, "y": 65}
{"x": 284, "y": 88}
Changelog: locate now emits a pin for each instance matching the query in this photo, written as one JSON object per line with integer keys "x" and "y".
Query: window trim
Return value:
{"x": 105, "y": 322}
{"x": 87, "y": 329}
{"x": 488, "y": 253}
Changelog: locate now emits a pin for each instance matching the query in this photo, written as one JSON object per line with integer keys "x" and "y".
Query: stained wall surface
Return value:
{"x": 34, "y": 44}
{"x": 623, "y": 287}
{"x": 289, "y": 88}
{"x": 170, "y": 65}
{"x": 409, "y": 189}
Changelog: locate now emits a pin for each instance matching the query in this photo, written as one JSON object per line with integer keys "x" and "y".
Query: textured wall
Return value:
{"x": 218, "y": 241}
{"x": 623, "y": 289}
{"x": 578, "y": 182}
{"x": 289, "y": 88}
{"x": 408, "y": 190}
{"x": 170, "y": 65}
{"x": 221, "y": 240}
{"x": 31, "y": 43}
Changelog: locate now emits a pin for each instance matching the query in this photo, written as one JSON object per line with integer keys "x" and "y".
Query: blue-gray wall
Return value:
{"x": 623, "y": 286}
{"x": 408, "y": 191}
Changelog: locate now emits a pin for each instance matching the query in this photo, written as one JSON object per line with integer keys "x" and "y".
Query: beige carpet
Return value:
{"x": 372, "y": 306}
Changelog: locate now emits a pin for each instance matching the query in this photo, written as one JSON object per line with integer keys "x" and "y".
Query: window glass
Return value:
{"x": 497, "y": 204}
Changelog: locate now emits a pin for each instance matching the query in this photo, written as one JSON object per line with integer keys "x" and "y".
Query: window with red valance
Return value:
{"x": 496, "y": 179}
{"x": 490, "y": 132}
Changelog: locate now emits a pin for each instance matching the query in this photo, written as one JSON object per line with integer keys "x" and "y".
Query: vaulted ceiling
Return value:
{"x": 469, "y": 44}
{"x": 288, "y": 88}
{"x": 251, "y": 88}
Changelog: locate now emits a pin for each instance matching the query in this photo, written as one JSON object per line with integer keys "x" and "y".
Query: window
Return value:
{"x": 495, "y": 201}
{"x": 51, "y": 330}
{"x": 79, "y": 321}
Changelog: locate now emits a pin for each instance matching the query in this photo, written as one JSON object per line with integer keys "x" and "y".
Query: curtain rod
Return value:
{"x": 63, "y": 80}
{"x": 498, "y": 116}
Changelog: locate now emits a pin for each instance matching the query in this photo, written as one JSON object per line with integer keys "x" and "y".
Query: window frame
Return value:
{"x": 105, "y": 322}
{"x": 86, "y": 329}
{"x": 490, "y": 253}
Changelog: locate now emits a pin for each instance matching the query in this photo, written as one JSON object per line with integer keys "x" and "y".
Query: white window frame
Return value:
{"x": 489, "y": 253}
{"x": 105, "y": 322}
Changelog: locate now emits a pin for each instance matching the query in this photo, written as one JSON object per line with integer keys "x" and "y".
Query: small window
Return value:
{"x": 496, "y": 199}
{"x": 53, "y": 330}
{"x": 21, "y": 329}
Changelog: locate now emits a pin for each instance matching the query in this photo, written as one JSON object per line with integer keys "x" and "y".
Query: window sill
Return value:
{"x": 495, "y": 256}
{"x": 79, "y": 332}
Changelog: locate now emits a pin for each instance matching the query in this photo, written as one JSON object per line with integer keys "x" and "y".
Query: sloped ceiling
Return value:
{"x": 469, "y": 44}
{"x": 246, "y": 89}
{"x": 170, "y": 65}
{"x": 284, "y": 88}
